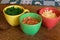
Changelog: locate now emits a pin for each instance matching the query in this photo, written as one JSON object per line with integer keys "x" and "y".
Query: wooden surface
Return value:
{"x": 15, "y": 33}
{"x": 0, "y": 0}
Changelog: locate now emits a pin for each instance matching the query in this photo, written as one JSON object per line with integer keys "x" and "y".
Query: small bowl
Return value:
{"x": 13, "y": 19}
{"x": 50, "y": 23}
{"x": 30, "y": 29}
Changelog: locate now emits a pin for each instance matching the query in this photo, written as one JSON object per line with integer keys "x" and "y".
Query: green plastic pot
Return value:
{"x": 30, "y": 29}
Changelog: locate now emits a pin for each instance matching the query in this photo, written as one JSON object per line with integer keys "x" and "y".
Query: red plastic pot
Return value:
{"x": 50, "y": 23}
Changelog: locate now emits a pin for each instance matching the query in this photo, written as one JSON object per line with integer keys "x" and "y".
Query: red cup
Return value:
{"x": 50, "y": 23}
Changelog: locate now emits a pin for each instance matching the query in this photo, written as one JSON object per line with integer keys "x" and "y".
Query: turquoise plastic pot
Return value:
{"x": 30, "y": 29}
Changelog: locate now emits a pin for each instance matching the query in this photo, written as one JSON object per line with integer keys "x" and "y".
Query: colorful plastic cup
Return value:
{"x": 30, "y": 29}
{"x": 50, "y": 23}
{"x": 13, "y": 20}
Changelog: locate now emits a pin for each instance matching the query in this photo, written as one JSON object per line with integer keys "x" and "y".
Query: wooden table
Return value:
{"x": 15, "y": 33}
{"x": 0, "y": 0}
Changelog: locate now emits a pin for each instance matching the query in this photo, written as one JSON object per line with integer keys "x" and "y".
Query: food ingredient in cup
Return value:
{"x": 49, "y": 14}
{"x": 29, "y": 20}
{"x": 13, "y": 11}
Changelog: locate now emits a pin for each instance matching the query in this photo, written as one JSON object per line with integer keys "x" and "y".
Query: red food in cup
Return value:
{"x": 30, "y": 21}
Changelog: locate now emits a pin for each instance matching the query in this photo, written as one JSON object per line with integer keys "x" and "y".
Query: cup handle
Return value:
{"x": 26, "y": 11}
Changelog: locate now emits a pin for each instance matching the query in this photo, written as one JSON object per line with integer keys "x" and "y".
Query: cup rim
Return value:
{"x": 34, "y": 24}
{"x": 12, "y": 6}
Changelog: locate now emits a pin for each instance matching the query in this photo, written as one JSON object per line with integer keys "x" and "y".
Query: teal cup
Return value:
{"x": 30, "y": 29}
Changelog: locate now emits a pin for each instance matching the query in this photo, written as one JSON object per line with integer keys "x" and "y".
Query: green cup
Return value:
{"x": 30, "y": 29}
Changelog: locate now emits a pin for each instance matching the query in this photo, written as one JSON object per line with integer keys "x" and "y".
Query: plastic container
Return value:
{"x": 13, "y": 20}
{"x": 30, "y": 29}
{"x": 48, "y": 22}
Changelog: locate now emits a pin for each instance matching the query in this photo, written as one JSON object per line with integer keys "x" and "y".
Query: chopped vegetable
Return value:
{"x": 49, "y": 14}
{"x": 14, "y": 11}
{"x": 30, "y": 21}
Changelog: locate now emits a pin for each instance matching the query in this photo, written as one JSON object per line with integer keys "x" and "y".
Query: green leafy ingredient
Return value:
{"x": 14, "y": 11}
